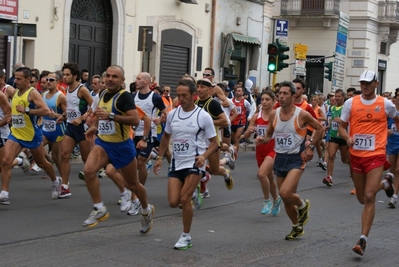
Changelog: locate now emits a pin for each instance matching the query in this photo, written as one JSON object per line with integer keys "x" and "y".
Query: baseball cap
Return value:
{"x": 368, "y": 76}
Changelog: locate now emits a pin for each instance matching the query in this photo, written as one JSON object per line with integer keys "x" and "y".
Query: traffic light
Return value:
{"x": 281, "y": 56}
{"x": 328, "y": 71}
{"x": 272, "y": 51}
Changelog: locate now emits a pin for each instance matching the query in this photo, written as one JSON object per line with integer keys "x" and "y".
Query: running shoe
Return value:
{"x": 232, "y": 150}
{"x": 360, "y": 247}
{"x": 4, "y": 200}
{"x": 149, "y": 165}
{"x": 392, "y": 202}
{"x": 102, "y": 174}
{"x": 204, "y": 180}
{"x": 183, "y": 243}
{"x": 81, "y": 175}
{"x": 389, "y": 177}
{"x": 295, "y": 232}
{"x": 230, "y": 161}
{"x": 146, "y": 220}
{"x": 196, "y": 199}
{"x": 229, "y": 181}
{"x": 328, "y": 181}
{"x": 322, "y": 164}
{"x": 34, "y": 167}
{"x": 125, "y": 201}
{"x": 25, "y": 166}
{"x": 276, "y": 206}
{"x": 134, "y": 208}
{"x": 353, "y": 191}
{"x": 206, "y": 194}
{"x": 56, "y": 189}
{"x": 96, "y": 216}
{"x": 65, "y": 192}
{"x": 267, "y": 206}
{"x": 303, "y": 214}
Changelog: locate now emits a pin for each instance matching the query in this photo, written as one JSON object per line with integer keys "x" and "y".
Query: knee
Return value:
{"x": 331, "y": 156}
{"x": 6, "y": 162}
{"x": 261, "y": 176}
{"x": 285, "y": 194}
{"x": 173, "y": 203}
{"x": 369, "y": 197}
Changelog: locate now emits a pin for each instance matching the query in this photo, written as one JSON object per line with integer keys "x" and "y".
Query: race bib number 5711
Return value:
{"x": 364, "y": 142}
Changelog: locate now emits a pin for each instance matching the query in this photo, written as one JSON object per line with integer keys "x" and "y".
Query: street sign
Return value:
{"x": 300, "y": 51}
{"x": 282, "y": 28}
{"x": 300, "y": 67}
{"x": 340, "y": 52}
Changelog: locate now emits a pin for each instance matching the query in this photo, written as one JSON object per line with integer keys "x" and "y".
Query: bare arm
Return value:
{"x": 221, "y": 120}
{"x": 5, "y": 106}
{"x": 162, "y": 148}
{"x": 217, "y": 91}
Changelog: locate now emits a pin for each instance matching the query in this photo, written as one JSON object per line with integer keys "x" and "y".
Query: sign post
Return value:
{"x": 338, "y": 72}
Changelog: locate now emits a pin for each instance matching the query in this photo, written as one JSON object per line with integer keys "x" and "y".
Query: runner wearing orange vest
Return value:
{"x": 366, "y": 116}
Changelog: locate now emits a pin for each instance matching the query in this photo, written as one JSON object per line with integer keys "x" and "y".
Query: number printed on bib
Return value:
{"x": 364, "y": 142}
{"x": 238, "y": 108}
{"x": 284, "y": 140}
{"x": 18, "y": 121}
{"x": 49, "y": 125}
{"x": 72, "y": 114}
{"x": 261, "y": 130}
{"x": 106, "y": 127}
{"x": 335, "y": 125}
{"x": 183, "y": 147}
{"x": 393, "y": 128}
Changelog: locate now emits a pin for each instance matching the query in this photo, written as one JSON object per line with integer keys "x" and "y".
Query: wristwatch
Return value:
{"x": 145, "y": 139}
{"x": 111, "y": 116}
{"x": 311, "y": 140}
{"x": 27, "y": 110}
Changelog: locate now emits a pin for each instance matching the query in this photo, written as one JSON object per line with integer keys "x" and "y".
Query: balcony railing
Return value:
{"x": 388, "y": 11}
{"x": 310, "y": 7}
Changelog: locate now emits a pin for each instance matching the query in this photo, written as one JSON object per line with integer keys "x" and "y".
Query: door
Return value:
{"x": 91, "y": 35}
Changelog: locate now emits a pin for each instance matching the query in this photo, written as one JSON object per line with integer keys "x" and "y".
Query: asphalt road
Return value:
{"x": 228, "y": 231}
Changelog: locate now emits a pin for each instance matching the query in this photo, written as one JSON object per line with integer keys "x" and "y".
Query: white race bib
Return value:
{"x": 364, "y": 142}
{"x": 183, "y": 147}
{"x": 393, "y": 128}
{"x": 261, "y": 130}
{"x": 106, "y": 127}
{"x": 49, "y": 125}
{"x": 284, "y": 140}
{"x": 72, "y": 114}
{"x": 18, "y": 121}
{"x": 238, "y": 108}
{"x": 335, "y": 125}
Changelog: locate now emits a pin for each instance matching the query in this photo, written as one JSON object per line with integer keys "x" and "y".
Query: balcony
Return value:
{"x": 388, "y": 11}
{"x": 310, "y": 8}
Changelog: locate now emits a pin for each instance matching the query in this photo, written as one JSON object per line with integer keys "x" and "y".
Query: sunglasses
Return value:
{"x": 32, "y": 81}
{"x": 206, "y": 74}
{"x": 50, "y": 79}
{"x": 166, "y": 91}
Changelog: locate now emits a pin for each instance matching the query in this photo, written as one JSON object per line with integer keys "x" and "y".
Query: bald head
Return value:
{"x": 118, "y": 69}
{"x": 143, "y": 81}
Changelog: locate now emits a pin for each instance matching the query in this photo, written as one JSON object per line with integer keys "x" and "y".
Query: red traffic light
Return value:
{"x": 272, "y": 49}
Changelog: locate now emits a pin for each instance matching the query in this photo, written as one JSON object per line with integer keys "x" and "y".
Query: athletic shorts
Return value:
{"x": 226, "y": 132}
{"x": 35, "y": 143}
{"x": 3, "y": 142}
{"x": 53, "y": 137}
{"x": 392, "y": 149}
{"x": 144, "y": 152}
{"x": 366, "y": 164}
{"x": 339, "y": 141}
{"x": 283, "y": 163}
{"x": 76, "y": 132}
{"x": 119, "y": 154}
{"x": 182, "y": 174}
{"x": 265, "y": 150}
{"x": 234, "y": 128}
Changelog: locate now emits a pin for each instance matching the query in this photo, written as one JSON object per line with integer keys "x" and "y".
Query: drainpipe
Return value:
{"x": 213, "y": 25}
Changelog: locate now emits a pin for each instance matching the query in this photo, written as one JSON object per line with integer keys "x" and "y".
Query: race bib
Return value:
{"x": 18, "y": 121}
{"x": 183, "y": 147}
{"x": 238, "y": 108}
{"x": 72, "y": 114}
{"x": 393, "y": 128}
{"x": 49, "y": 125}
{"x": 284, "y": 140}
{"x": 335, "y": 125}
{"x": 106, "y": 127}
{"x": 364, "y": 142}
{"x": 261, "y": 130}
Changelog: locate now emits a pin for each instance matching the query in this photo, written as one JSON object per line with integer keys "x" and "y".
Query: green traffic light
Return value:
{"x": 271, "y": 67}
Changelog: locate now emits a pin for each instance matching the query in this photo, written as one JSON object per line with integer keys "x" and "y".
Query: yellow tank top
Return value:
{"x": 22, "y": 124}
{"x": 112, "y": 131}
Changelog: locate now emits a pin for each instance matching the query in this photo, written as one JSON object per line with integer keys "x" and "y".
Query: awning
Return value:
{"x": 245, "y": 39}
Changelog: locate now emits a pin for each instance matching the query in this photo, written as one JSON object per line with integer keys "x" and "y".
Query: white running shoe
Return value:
{"x": 183, "y": 243}
{"x": 35, "y": 168}
{"x": 56, "y": 189}
{"x": 96, "y": 216}
{"x": 134, "y": 208}
{"x": 125, "y": 201}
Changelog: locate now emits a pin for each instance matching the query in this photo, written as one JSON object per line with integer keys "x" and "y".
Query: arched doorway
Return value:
{"x": 90, "y": 35}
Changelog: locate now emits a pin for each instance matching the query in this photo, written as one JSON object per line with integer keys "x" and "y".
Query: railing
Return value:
{"x": 388, "y": 11}
{"x": 310, "y": 7}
